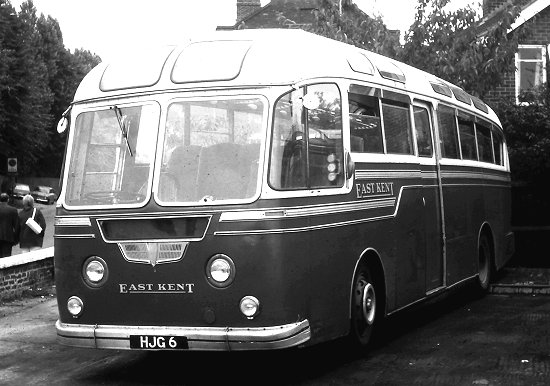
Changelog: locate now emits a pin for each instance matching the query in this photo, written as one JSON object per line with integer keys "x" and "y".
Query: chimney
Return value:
{"x": 490, "y": 5}
{"x": 246, "y": 7}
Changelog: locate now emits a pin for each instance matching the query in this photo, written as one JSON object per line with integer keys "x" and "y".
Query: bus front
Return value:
{"x": 138, "y": 261}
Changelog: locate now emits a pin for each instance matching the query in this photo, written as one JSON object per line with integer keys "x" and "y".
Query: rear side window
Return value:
{"x": 498, "y": 146}
{"x": 484, "y": 145}
{"x": 467, "y": 137}
{"x": 447, "y": 129}
{"x": 397, "y": 127}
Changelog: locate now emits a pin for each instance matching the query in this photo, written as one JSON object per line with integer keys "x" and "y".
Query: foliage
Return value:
{"x": 449, "y": 45}
{"x": 38, "y": 78}
{"x": 353, "y": 27}
{"x": 445, "y": 43}
{"x": 527, "y": 130}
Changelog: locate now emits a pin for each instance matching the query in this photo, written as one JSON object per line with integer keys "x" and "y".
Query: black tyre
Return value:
{"x": 365, "y": 306}
{"x": 485, "y": 263}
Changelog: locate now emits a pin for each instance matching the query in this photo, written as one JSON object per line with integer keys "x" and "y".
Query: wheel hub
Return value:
{"x": 368, "y": 303}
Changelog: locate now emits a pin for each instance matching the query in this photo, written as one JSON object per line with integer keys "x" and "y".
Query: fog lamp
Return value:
{"x": 220, "y": 270}
{"x": 250, "y": 306}
{"x": 75, "y": 306}
{"x": 95, "y": 271}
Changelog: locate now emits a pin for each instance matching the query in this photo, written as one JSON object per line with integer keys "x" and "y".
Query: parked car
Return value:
{"x": 20, "y": 190}
{"x": 44, "y": 194}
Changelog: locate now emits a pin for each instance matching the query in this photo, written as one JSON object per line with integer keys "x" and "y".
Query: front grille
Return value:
{"x": 153, "y": 252}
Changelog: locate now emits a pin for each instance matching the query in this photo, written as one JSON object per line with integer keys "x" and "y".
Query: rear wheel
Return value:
{"x": 485, "y": 258}
{"x": 365, "y": 306}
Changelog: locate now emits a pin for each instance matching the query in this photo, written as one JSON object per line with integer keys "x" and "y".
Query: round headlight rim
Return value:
{"x": 79, "y": 300}
{"x": 232, "y": 273}
{"x": 89, "y": 282}
{"x": 255, "y": 300}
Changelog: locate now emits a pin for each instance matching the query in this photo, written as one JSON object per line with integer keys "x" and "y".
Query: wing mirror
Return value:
{"x": 62, "y": 125}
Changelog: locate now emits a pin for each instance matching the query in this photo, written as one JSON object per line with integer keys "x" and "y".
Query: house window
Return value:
{"x": 530, "y": 68}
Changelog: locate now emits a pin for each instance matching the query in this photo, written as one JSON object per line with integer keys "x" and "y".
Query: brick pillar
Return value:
{"x": 247, "y": 7}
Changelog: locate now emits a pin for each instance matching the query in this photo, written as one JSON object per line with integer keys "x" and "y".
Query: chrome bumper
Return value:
{"x": 198, "y": 338}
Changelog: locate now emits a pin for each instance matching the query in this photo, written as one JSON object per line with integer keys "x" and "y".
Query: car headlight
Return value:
{"x": 220, "y": 270}
{"x": 95, "y": 271}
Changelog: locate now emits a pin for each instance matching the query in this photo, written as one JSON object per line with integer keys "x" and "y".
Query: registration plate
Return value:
{"x": 157, "y": 342}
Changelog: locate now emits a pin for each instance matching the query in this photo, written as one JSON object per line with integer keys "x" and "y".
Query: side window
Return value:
{"x": 397, "y": 127}
{"x": 467, "y": 136}
{"x": 306, "y": 145}
{"x": 423, "y": 131}
{"x": 484, "y": 145}
{"x": 447, "y": 131}
{"x": 498, "y": 146}
{"x": 365, "y": 125}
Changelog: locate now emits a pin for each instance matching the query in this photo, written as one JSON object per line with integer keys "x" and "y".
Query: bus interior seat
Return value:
{"x": 357, "y": 143}
{"x": 183, "y": 166}
{"x": 224, "y": 172}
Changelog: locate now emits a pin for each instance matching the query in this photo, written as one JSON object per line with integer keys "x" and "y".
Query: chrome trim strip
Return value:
{"x": 324, "y": 226}
{"x": 378, "y": 174}
{"x": 475, "y": 175}
{"x": 295, "y": 212}
{"x": 302, "y": 229}
{"x": 79, "y": 236}
{"x": 72, "y": 222}
{"x": 199, "y": 338}
{"x": 373, "y": 174}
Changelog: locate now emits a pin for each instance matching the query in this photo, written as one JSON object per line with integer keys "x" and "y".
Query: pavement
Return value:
{"x": 522, "y": 280}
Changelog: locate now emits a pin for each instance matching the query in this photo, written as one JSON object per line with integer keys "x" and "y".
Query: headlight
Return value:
{"x": 250, "y": 306}
{"x": 220, "y": 270}
{"x": 75, "y": 306}
{"x": 95, "y": 271}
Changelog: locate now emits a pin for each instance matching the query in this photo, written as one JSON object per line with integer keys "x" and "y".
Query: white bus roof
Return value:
{"x": 261, "y": 57}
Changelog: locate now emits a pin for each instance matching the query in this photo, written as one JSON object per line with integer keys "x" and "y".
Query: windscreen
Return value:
{"x": 112, "y": 155}
{"x": 211, "y": 150}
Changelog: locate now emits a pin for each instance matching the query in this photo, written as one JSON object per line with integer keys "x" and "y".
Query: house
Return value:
{"x": 275, "y": 14}
{"x": 300, "y": 14}
{"x": 532, "y": 56}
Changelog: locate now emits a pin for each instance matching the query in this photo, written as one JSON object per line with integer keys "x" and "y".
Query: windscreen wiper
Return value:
{"x": 123, "y": 129}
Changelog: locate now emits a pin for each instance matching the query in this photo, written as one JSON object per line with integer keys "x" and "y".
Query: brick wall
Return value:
{"x": 19, "y": 273}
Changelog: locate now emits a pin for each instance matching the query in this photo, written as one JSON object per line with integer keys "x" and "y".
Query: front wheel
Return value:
{"x": 365, "y": 306}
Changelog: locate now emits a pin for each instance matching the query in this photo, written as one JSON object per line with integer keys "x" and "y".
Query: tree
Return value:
{"x": 28, "y": 98}
{"x": 38, "y": 78}
{"x": 8, "y": 19}
{"x": 449, "y": 45}
{"x": 527, "y": 129}
{"x": 352, "y": 26}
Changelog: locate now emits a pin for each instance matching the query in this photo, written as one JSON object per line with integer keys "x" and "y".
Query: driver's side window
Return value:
{"x": 306, "y": 146}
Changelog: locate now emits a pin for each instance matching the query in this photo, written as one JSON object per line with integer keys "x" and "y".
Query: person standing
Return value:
{"x": 28, "y": 239}
{"x": 9, "y": 226}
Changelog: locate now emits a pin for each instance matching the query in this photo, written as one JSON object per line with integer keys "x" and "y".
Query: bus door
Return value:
{"x": 431, "y": 196}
